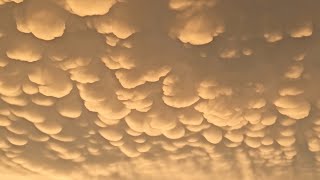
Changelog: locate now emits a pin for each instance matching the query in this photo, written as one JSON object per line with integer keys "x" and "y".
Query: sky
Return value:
{"x": 159, "y": 89}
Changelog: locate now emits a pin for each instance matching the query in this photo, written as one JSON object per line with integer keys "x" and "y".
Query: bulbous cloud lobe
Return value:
{"x": 173, "y": 89}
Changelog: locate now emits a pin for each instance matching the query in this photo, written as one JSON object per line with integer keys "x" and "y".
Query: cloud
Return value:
{"x": 44, "y": 20}
{"x": 89, "y": 8}
{"x": 175, "y": 89}
{"x": 6, "y": 1}
{"x": 24, "y": 48}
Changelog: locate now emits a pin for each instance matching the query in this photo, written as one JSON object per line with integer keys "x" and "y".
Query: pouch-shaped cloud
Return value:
{"x": 44, "y": 20}
{"x": 196, "y": 31}
{"x": 24, "y": 48}
{"x": 90, "y": 8}
{"x": 51, "y": 81}
{"x": 116, "y": 22}
{"x": 176, "y": 89}
{"x": 294, "y": 107}
{"x": 176, "y": 94}
{"x": 6, "y": 1}
{"x": 196, "y": 26}
{"x": 70, "y": 106}
{"x": 213, "y": 135}
{"x": 303, "y": 30}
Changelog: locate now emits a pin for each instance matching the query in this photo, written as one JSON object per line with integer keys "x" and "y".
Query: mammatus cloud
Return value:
{"x": 161, "y": 89}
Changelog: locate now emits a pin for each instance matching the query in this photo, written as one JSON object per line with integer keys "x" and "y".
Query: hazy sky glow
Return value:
{"x": 159, "y": 89}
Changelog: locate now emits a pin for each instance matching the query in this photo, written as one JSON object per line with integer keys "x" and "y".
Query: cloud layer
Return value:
{"x": 163, "y": 89}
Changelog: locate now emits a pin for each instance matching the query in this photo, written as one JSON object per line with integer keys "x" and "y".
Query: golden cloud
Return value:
{"x": 174, "y": 89}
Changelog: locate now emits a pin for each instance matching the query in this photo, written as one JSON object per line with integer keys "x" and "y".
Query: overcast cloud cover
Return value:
{"x": 159, "y": 89}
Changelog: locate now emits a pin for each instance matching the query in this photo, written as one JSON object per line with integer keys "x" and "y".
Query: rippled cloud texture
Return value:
{"x": 159, "y": 89}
